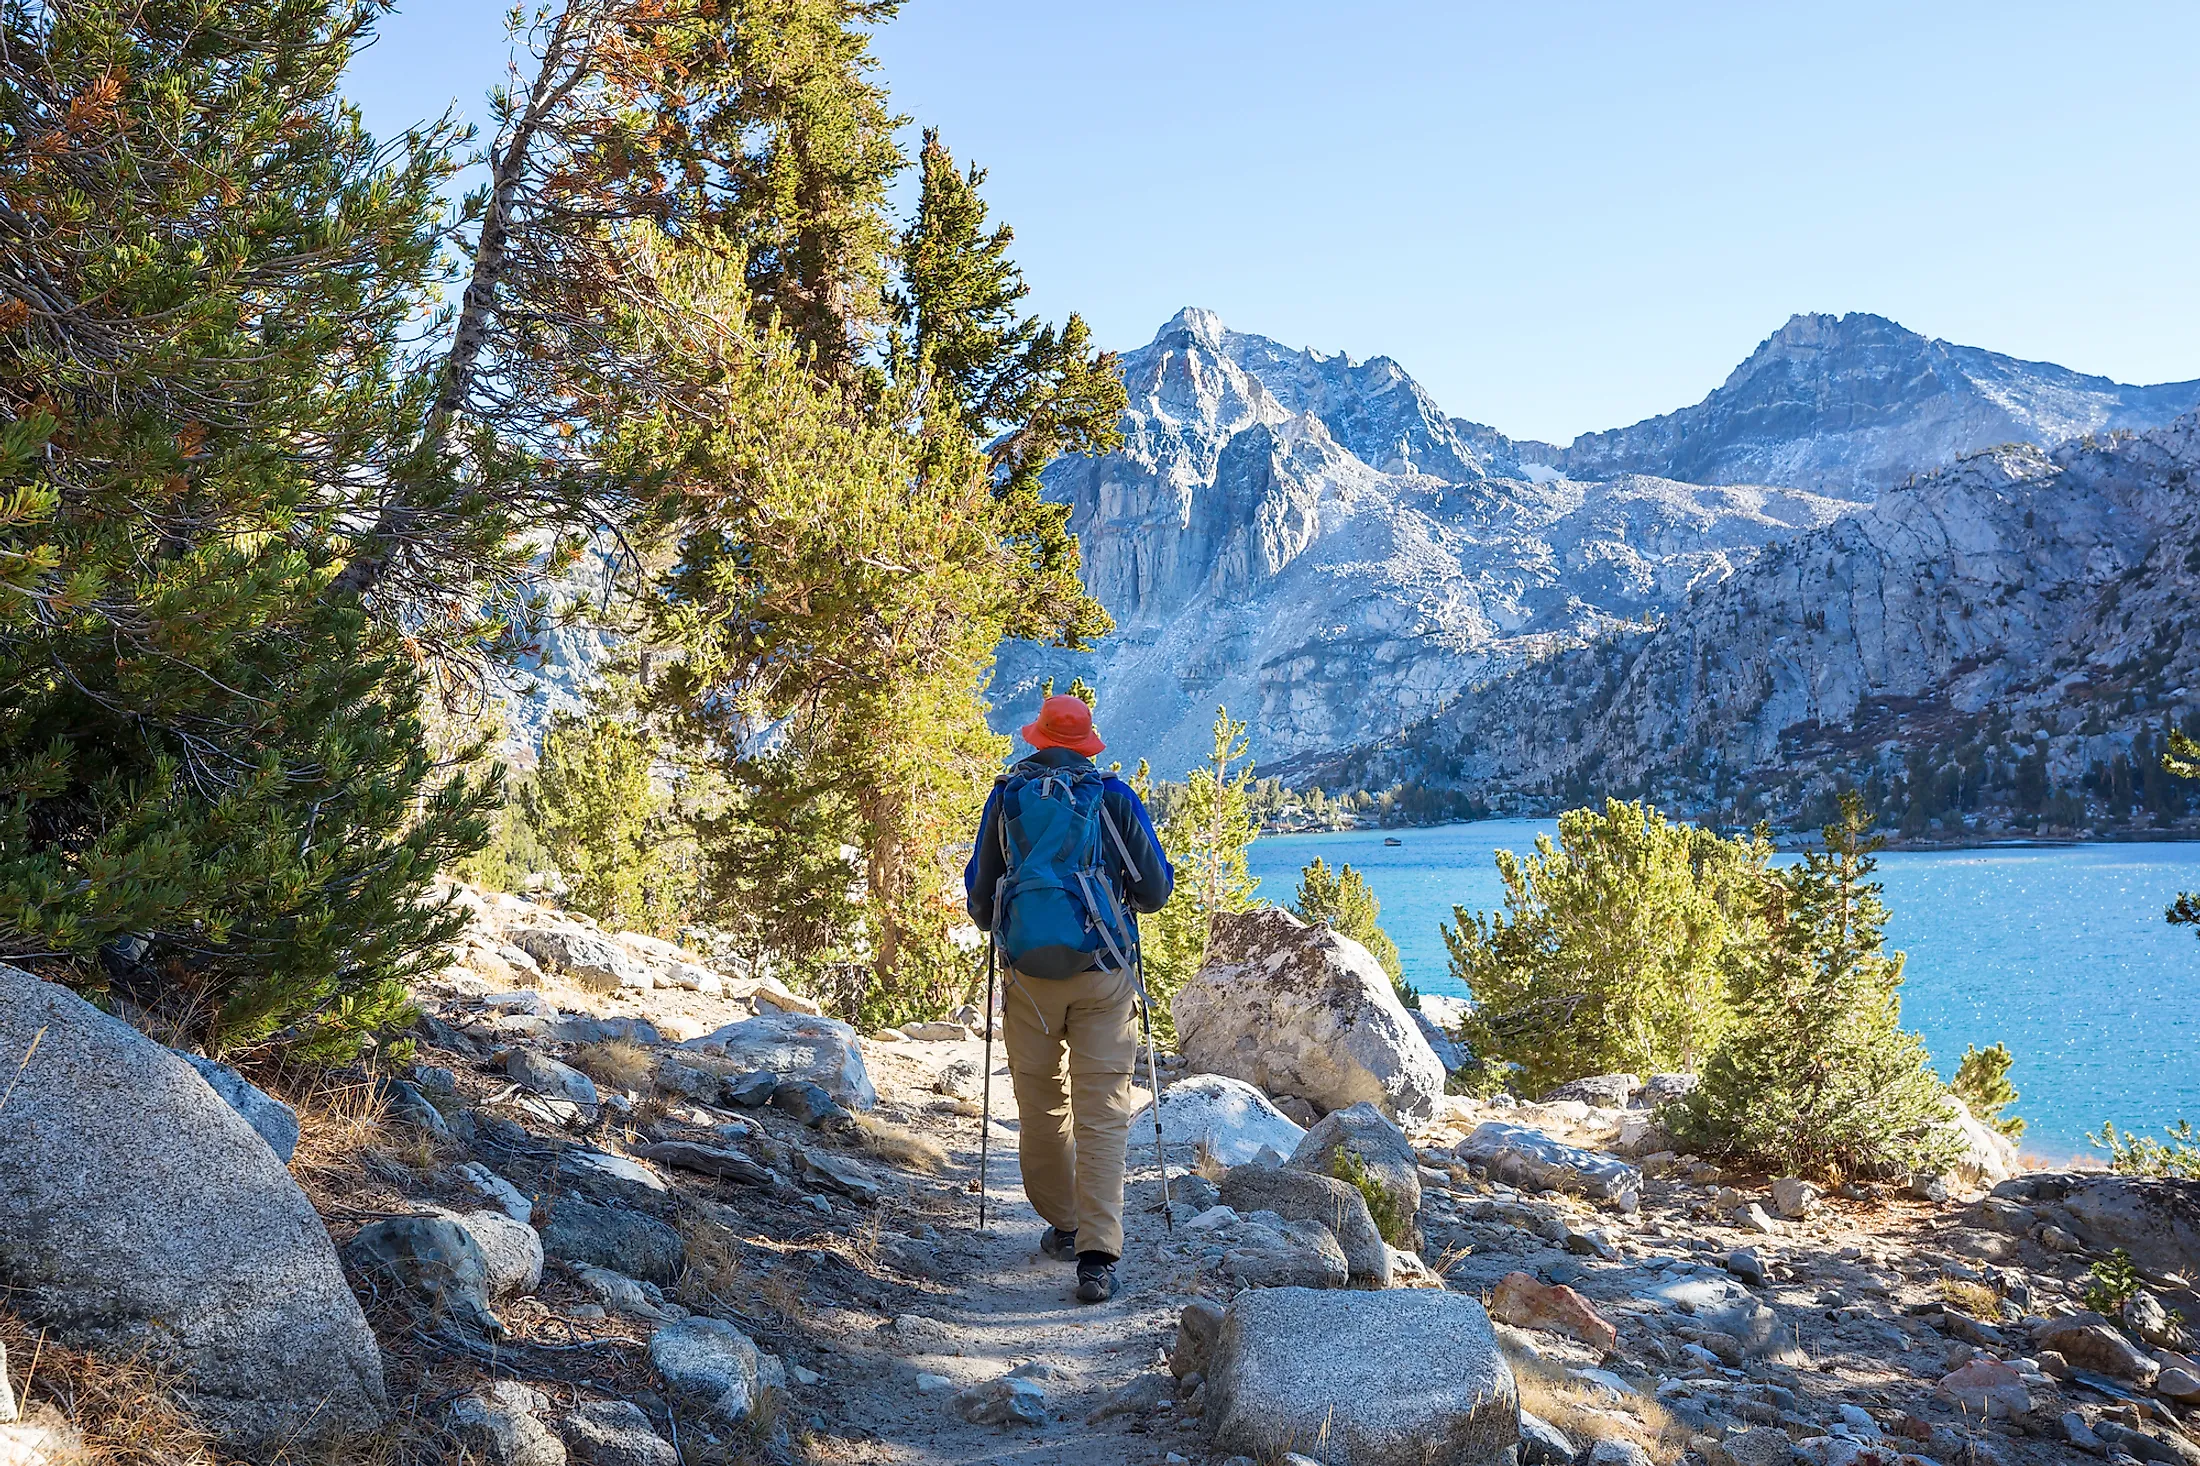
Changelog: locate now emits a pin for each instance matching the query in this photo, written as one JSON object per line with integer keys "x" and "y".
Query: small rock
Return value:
{"x": 1613, "y": 1451}
{"x": 405, "y": 1104}
{"x": 836, "y": 1173}
{"x": 1398, "y": 1378}
{"x": 1757, "y": 1446}
{"x": 1141, "y": 1395}
{"x": 710, "y": 1160}
{"x": 9, "y": 1414}
{"x": 1795, "y": 1198}
{"x": 1229, "y": 1117}
{"x": 1193, "y": 1190}
{"x": 2052, "y": 1364}
{"x": 621, "y": 1294}
{"x": 435, "y": 1262}
{"x": 1605, "y": 1091}
{"x": 1298, "y": 1111}
{"x": 1929, "y": 1186}
{"x": 1988, "y": 1389}
{"x": 614, "y": 1433}
{"x": 932, "y": 1384}
{"x": 1543, "y": 1444}
{"x": 935, "y": 1032}
{"x": 1004, "y": 1401}
{"x": 798, "y": 1048}
{"x": 2088, "y": 1341}
{"x": 2145, "y": 1316}
{"x": 495, "y": 1425}
{"x": 1196, "y": 1328}
{"x": 602, "y": 1173}
{"x": 1525, "y": 1303}
{"x": 2081, "y": 1435}
{"x": 960, "y": 1079}
{"x": 1751, "y": 1217}
{"x": 1297, "y": 1195}
{"x": 507, "y": 1197}
{"x": 810, "y": 1104}
{"x": 714, "y": 1366}
{"x": 579, "y": 1231}
{"x": 544, "y": 1075}
{"x": 1745, "y": 1264}
{"x": 511, "y": 1249}
{"x": 2179, "y": 1384}
{"x": 751, "y": 1090}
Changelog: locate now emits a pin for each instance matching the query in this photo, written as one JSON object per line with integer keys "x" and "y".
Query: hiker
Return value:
{"x": 1065, "y": 855}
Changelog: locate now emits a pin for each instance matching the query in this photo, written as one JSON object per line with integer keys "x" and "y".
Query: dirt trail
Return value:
{"x": 1000, "y": 1303}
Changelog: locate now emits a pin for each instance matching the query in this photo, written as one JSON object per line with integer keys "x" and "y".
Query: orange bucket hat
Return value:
{"x": 1064, "y": 722}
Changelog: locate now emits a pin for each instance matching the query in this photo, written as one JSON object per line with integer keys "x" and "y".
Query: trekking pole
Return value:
{"x": 985, "y": 1118}
{"x": 1153, "y": 1077}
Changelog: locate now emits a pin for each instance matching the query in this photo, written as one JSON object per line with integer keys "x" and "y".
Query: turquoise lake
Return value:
{"x": 2059, "y": 952}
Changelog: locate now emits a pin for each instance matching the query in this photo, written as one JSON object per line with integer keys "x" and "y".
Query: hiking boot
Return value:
{"x": 1059, "y": 1245}
{"x": 1095, "y": 1278}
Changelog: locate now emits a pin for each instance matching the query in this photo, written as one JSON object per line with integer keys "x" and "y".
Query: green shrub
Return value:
{"x": 2115, "y": 1279}
{"x": 1391, "y": 1217}
{"x": 2141, "y": 1155}
{"x": 1982, "y": 1083}
{"x": 1816, "y": 1075}
{"x": 1613, "y": 948}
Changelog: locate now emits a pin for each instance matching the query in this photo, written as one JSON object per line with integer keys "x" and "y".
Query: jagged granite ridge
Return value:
{"x": 1852, "y": 405}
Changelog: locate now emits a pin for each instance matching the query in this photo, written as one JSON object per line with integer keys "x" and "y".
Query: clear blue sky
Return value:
{"x": 1559, "y": 217}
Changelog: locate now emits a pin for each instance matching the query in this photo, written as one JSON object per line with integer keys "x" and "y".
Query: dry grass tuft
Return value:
{"x": 1577, "y": 1411}
{"x": 339, "y": 1126}
{"x": 900, "y": 1145}
{"x": 1975, "y": 1299}
{"x": 620, "y": 1063}
{"x": 124, "y": 1408}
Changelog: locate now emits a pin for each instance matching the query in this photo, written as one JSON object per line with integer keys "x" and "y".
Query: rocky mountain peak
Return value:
{"x": 1855, "y": 404}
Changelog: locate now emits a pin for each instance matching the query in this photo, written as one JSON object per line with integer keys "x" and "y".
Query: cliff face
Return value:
{"x": 2022, "y": 602}
{"x": 1852, "y": 405}
{"x": 1315, "y": 544}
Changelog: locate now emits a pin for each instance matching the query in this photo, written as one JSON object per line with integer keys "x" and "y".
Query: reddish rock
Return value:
{"x": 1552, "y": 1307}
{"x": 1987, "y": 1388}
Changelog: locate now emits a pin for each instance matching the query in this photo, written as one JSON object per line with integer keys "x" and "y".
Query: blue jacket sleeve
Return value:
{"x": 1149, "y": 878}
{"x": 983, "y": 874}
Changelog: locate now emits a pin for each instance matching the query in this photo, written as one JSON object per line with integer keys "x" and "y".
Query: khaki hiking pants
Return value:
{"x": 1074, "y": 1127}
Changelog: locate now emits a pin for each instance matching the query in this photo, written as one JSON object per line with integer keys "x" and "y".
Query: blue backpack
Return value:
{"x": 1056, "y": 908}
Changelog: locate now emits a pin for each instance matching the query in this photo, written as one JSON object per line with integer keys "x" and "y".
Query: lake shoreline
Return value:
{"x": 1806, "y": 840}
{"x": 2056, "y": 947}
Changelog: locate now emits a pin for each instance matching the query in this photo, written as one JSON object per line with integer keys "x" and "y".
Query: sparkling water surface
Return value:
{"x": 2059, "y": 952}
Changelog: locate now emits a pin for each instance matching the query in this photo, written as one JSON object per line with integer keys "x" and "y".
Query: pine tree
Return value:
{"x": 1343, "y": 901}
{"x": 603, "y": 821}
{"x": 1611, "y": 953}
{"x": 1817, "y": 1075}
{"x": 1205, "y": 837}
{"x": 214, "y": 780}
{"x": 848, "y": 547}
{"x": 1982, "y": 1083}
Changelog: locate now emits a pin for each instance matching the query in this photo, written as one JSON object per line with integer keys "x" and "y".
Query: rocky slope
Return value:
{"x": 1851, "y": 405}
{"x": 592, "y": 1227}
{"x": 1313, "y": 543}
{"x": 2020, "y": 605}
